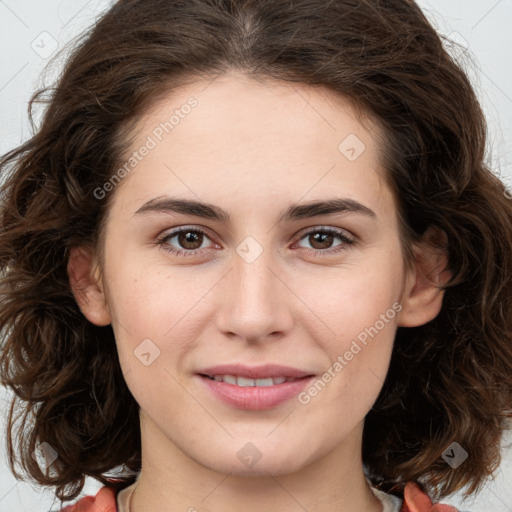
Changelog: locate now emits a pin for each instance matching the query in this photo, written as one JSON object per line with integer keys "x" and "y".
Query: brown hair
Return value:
{"x": 449, "y": 380}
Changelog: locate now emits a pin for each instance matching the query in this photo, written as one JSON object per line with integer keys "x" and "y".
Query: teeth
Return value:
{"x": 245, "y": 382}
{"x": 229, "y": 379}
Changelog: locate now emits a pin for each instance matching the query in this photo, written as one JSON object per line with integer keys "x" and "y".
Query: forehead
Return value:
{"x": 259, "y": 141}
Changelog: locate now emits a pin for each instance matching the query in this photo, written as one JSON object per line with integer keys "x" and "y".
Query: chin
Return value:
{"x": 251, "y": 461}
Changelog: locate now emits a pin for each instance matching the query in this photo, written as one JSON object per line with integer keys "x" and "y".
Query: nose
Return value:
{"x": 254, "y": 301}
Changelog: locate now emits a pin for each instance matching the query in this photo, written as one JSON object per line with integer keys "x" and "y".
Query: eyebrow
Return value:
{"x": 295, "y": 211}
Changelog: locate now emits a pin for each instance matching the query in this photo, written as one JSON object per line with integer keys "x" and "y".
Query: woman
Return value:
{"x": 161, "y": 313}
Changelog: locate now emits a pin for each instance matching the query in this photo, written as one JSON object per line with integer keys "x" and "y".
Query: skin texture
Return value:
{"x": 253, "y": 149}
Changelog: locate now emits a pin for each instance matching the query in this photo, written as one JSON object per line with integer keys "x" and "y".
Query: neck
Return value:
{"x": 170, "y": 480}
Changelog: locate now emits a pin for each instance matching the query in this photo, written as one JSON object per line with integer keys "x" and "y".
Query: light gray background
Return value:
{"x": 32, "y": 30}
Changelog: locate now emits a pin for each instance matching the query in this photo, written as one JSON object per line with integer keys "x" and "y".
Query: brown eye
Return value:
{"x": 187, "y": 241}
{"x": 321, "y": 240}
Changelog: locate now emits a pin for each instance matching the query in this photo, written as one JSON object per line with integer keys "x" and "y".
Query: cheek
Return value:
{"x": 361, "y": 312}
{"x": 359, "y": 356}
{"x": 148, "y": 299}
{"x": 354, "y": 297}
{"x": 156, "y": 301}
{"x": 156, "y": 310}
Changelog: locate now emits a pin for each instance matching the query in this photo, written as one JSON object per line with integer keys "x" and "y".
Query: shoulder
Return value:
{"x": 415, "y": 500}
{"x": 104, "y": 501}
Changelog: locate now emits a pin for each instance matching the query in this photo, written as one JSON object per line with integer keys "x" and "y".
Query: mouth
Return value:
{"x": 253, "y": 394}
{"x": 238, "y": 380}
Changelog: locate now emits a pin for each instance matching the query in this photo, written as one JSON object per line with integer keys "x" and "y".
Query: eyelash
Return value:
{"x": 347, "y": 241}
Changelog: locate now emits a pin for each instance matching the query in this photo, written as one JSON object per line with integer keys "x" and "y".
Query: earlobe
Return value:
{"x": 87, "y": 287}
{"x": 423, "y": 297}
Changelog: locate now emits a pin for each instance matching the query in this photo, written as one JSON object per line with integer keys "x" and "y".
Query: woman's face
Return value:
{"x": 258, "y": 280}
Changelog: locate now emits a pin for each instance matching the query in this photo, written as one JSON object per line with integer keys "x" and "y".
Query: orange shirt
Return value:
{"x": 105, "y": 501}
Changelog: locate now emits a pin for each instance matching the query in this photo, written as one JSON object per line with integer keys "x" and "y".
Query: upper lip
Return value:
{"x": 255, "y": 372}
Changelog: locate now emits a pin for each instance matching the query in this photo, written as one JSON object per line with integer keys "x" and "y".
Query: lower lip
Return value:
{"x": 256, "y": 398}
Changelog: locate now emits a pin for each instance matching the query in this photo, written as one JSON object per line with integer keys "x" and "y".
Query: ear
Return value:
{"x": 86, "y": 285}
{"x": 423, "y": 298}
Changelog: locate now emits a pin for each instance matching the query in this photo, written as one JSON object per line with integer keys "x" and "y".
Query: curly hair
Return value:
{"x": 449, "y": 380}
